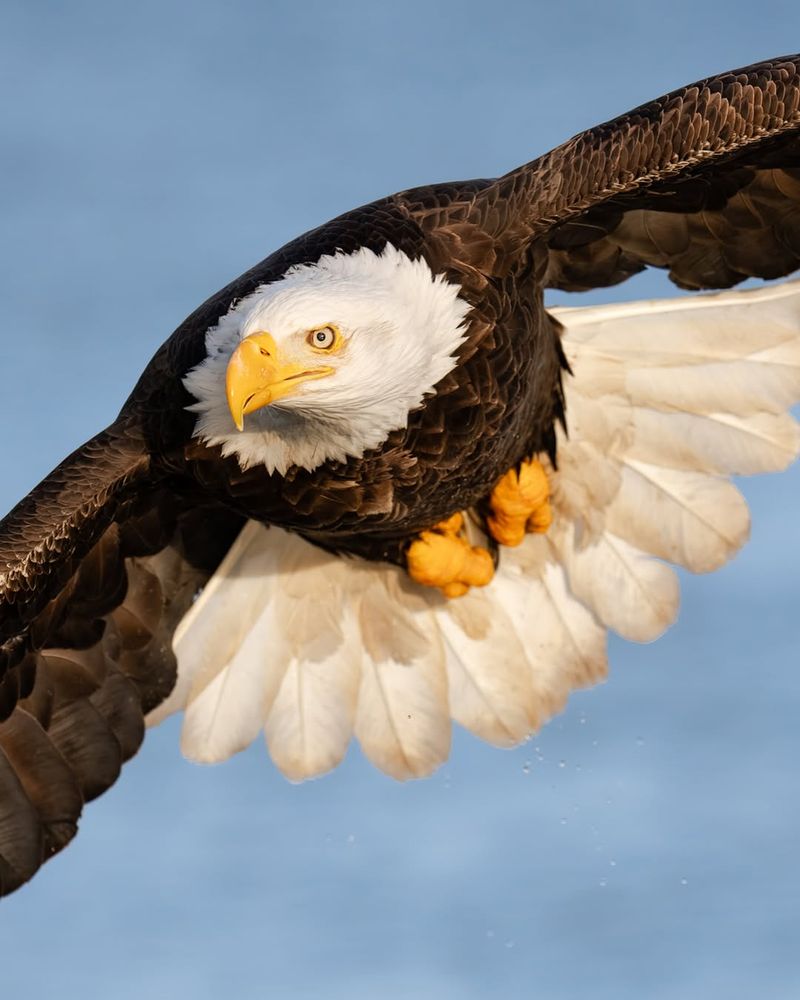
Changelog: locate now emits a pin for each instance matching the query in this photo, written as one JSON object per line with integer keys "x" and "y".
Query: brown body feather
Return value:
{"x": 99, "y": 562}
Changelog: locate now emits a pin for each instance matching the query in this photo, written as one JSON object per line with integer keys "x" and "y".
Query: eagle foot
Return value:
{"x": 520, "y": 503}
{"x": 443, "y": 558}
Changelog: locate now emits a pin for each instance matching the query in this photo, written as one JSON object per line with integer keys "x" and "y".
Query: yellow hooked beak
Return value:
{"x": 257, "y": 375}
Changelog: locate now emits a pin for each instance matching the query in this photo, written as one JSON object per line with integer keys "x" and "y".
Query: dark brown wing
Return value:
{"x": 97, "y": 565}
{"x": 704, "y": 182}
{"x": 44, "y": 537}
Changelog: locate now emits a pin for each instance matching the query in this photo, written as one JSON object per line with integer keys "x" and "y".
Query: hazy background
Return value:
{"x": 645, "y": 845}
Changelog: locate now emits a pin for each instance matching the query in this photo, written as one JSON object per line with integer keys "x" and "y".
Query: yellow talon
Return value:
{"x": 442, "y": 558}
{"x": 520, "y": 503}
{"x": 452, "y": 525}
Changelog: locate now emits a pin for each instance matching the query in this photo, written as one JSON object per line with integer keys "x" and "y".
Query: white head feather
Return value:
{"x": 401, "y": 325}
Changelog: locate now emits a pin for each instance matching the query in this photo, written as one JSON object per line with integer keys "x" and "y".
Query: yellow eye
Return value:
{"x": 324, "y": 338}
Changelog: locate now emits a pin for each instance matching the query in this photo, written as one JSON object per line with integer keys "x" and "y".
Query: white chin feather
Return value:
{"x": 668, "y": 399}
{"x": 402, "y": 324}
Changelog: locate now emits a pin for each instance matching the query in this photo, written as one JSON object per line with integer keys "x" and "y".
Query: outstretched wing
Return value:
{"x": 704, "y": 181}
{"x": 97, "y": 565}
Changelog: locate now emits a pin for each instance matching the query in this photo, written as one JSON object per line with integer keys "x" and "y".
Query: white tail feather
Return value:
{"x": 668, "y": 398}
{"x": 717, "y": 442}
{"x": 689, "y": 518}
{"x": 309, "y": 723}
{"x": 489, "y": 694}
{"x": 630, "y": 592}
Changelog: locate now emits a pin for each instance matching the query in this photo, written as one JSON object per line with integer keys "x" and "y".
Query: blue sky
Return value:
{"x": 645, "y": 843}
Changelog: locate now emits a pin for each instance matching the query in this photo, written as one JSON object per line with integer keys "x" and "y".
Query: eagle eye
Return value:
{"x": 324, "y": 338}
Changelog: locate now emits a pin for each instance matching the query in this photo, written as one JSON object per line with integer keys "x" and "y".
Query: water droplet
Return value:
{"x": 639, "y": 741}
{"x": 684, "y": 881}
{"x": 526, "y": 767}
{"x": 603, "y": 883}
{"x": 510, "y": 944}
{"x": 351, "y": 838}
{"x": 562, "y": 763}
{"x": 490, "y": 934}
{"x": 612, "y": 863}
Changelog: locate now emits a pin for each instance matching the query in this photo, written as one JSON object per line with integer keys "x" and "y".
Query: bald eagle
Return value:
{"x": 373, "y": 485}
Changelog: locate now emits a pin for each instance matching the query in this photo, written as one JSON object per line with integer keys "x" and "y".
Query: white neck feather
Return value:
{"x": 402, "y": 324}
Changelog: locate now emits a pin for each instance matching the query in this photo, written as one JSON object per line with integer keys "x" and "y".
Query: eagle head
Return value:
{"x": 324, "y": 363}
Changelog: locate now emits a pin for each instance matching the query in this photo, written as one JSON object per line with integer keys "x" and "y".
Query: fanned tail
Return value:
{"x": 668, "y": 400}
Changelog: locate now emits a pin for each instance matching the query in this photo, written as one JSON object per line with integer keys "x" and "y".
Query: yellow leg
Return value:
{"x": 520, "y": 503}
{"x": 442, "y": 558}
